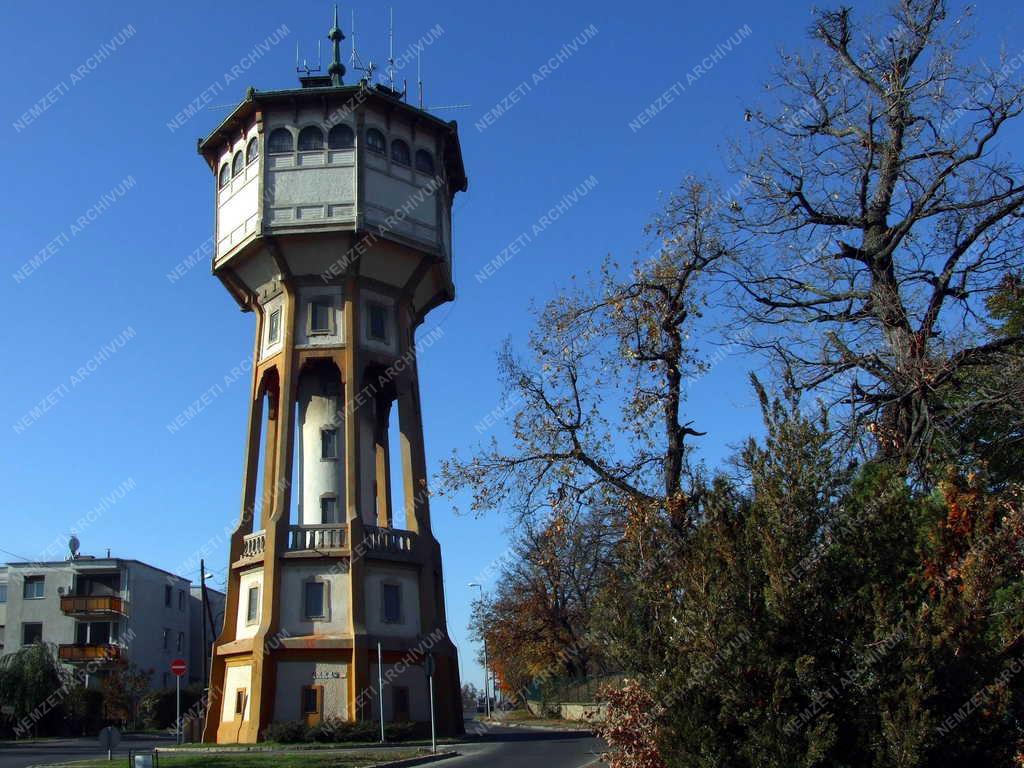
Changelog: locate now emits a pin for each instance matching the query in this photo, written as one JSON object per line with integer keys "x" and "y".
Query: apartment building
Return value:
{"x": 103, "y": 612}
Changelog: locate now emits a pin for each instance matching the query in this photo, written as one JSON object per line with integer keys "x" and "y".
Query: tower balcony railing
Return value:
{"x": 317, "y": 537}
{"x": 253, "y": 544}
{"x": 80, "y": 605}
{"x": 388, "y": 539}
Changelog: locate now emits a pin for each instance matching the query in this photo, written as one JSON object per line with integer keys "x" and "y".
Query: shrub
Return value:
{"x": 287, "y": 732}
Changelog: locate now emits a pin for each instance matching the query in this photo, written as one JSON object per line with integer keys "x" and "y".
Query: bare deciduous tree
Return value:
{"x": 885, "y": 210}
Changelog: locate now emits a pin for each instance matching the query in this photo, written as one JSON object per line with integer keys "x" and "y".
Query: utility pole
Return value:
{"x": 202, "y": 618}
{"x": 487, "y": 696}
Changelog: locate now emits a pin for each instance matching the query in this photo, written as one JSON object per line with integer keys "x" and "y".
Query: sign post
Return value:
{"x": 110, "y": 737}
{"x": 179, "y": 668}
{"x": 428, "y": 664}
{"x": 380, "y": 689}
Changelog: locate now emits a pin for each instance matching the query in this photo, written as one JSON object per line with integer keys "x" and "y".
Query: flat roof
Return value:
{"x": 88, "y": 562}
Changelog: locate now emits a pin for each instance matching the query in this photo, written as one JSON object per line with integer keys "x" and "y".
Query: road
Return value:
{"x": 494, "y": 747}
{"x": 15, "y": 754}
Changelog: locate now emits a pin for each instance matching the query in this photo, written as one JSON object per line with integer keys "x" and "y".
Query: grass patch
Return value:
{"x": 242, "y": 760}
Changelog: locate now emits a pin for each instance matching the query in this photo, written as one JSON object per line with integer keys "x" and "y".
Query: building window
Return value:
{"x": 240, "y": 696}
{"x": 34, "y": 587}
{"x": 341, "y": 137}
{"x": 166, "y": 681}
{"x": 2, "y": 637}
{"x": 400, "y": 704}
{"x": 375, "y": 141}
{"x": 225, "y": 175}
{"x": 328, "y": 443}
{"x": 312, "y": 696}
{"x": 314, "y": 599}
{"x": 252, "y": 611}
{"x": 166, "y": 642}
{"x": 181, "y": 642}
{"x": 311, "y": 139}
{"x": 279, "y": 142}
{"x": 252, "y": 150}
{"x": 181, "y": 600}
{"x": 424, "y": 161}
{"x": 3, "y": 593}
{"x": 378, "y": 321}
{"x": 31, "y": 633}
{"x": 329, "y": 509}
{"x": 321, "y": 316}
{"x": 400, "y": 152}
{"x": 238, "y": 164}
{"x": 391, "y": 603}
{"x": 167, "y": 595}
{"x": 274, "y": 333}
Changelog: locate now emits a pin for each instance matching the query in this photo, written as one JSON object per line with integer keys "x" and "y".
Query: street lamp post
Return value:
{"x": 487, "y": 696}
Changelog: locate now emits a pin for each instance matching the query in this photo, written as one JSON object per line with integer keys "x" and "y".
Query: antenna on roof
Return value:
{"x": 419, "y": 79}
{"x": 391, "y": 48}
{"x": 304, "y": 68}
{"x": 357, "y": 64}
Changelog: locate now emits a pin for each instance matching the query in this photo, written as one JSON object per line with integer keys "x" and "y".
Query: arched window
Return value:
{"x": 375, "y": 141}
{"x": 280, "y": 142}
{"x": 225, "y": 175}
{"x": 424, "y": 161}
{"x": 340, "y": 137}
{"x": 238, "y": 164}
{"x": 400, "y": 152}
{"x": 311, "y": 139}
{"x": 252, "y": 150}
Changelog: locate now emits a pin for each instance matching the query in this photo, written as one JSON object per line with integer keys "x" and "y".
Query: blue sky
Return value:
{"x": 101, "y": 149}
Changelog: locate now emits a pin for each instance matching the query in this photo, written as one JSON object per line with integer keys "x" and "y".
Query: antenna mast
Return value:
{"x": 391, "y": 47}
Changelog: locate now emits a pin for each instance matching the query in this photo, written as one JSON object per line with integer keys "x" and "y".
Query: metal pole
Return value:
{"x": 433, "y": 732}
{"x": 177, "y": 738}
{"x": 487, "y": 675}
{"x": 380, "y": 689}
{"x": 202, "y": 618}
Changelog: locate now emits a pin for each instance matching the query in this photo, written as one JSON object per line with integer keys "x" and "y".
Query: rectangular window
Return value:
{"x": 240, "y": 695}
{"x": 3, "y": 593}
{"x": 400, "y": 704}
{"x": 311, "y": 699}
{"x": 34, "y": 587}
{"x": 378, "y": 321}
{"x": 181, "y": 600}
{"x": 252, "y": 612}
{"x": 31, "y": 634}
{"x": 391, "y": 603}
{"x": 167, "y": 639}
{"x": 313, "y": 599}
{"x": 167, "y": 595}
{"x": 320, "y": 316}
{"x": 328, "y": 444}
{"x": 329, "y": 509}
{"x": 181, "y": 642}
{"x": 274, "y": 327}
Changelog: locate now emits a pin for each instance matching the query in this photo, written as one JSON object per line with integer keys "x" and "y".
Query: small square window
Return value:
{"x": 313, "y": 599}
{"x": 329, "y": 509}
{"x": 240, "y": 695}
{"x": 391, "y": 603}
{"x": 274, "y": 327}
{"x": 378, "y": 322}
{"x": 3, "y": 593}
{"x": 31, "y": 634}
{"x": 35, "y": 587}
{"x": 328, "y": 443}
{"x": 252, "y": 612}
{"x": 321, "y": 314}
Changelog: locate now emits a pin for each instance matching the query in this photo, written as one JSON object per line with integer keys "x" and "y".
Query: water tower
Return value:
{"x": 333, "y": 227}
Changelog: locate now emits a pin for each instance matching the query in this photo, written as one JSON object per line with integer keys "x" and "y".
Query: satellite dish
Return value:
{"x": 73, "y": 545}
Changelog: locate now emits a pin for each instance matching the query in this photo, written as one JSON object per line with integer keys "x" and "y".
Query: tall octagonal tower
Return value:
{"x": 333, "y": 227}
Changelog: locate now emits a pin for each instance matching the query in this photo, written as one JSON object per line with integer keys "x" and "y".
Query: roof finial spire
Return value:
{"x": 335, "y": 35}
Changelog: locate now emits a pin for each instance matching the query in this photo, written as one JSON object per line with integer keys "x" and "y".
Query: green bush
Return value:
{"x": 287, "y": 732}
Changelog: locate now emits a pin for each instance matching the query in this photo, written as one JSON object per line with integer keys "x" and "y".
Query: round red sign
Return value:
{"x": 179, "y": 667}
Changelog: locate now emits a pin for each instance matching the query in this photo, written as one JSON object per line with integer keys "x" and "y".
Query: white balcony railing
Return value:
{"x": 316, "y": 537}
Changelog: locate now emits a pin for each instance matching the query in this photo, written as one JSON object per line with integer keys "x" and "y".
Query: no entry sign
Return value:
{"x": 179, "y": 667}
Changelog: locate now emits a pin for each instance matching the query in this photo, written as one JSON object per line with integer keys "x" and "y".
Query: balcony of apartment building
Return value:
{"x": 94, "y": 595}
{"x": 94, "y": 641}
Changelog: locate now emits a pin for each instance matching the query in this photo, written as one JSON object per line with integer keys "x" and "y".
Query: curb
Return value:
{"x": 422, "y": 760}
{"x": 561, "y": 728}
